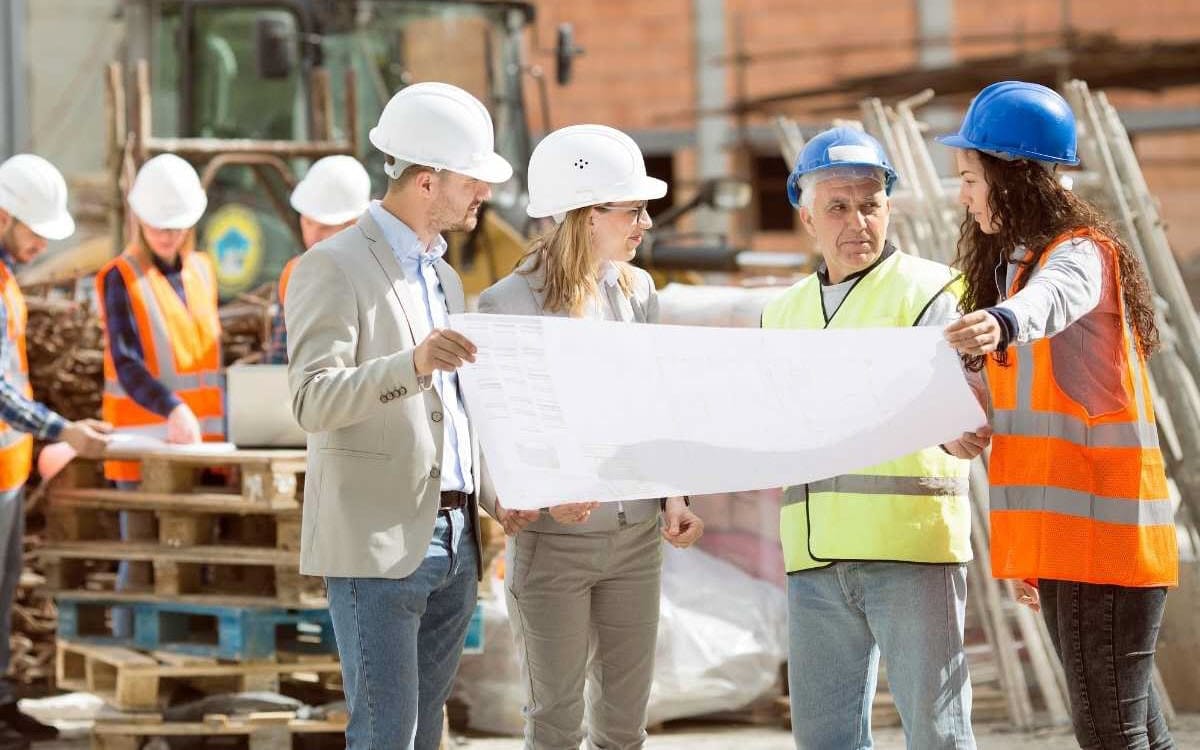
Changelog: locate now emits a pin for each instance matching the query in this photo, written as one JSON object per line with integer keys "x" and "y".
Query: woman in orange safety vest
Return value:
{"x": 162, "y": 343}
{"x": 1059, "y": 312}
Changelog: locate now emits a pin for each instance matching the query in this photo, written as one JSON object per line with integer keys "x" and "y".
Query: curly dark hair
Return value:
{"x": 1031, "y": 207}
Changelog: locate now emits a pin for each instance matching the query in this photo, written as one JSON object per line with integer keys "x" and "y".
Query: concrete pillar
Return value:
{"x": 14, "y": 120}
{"x": 711, "y": 129}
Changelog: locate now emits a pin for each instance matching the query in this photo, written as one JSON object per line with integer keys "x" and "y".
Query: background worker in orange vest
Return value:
{"x": 333, "y": 194}
{"x": 1059, "y": 308}
{"x": 33, "y": 209}
{"x": 162, "y": 343}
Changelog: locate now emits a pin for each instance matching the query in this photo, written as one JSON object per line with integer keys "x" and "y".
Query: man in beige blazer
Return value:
{"x": 390, "y": 511}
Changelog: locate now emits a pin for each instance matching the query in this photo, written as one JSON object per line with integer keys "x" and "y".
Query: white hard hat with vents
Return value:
{"x": 443, "y": 127}
{"x": 585, "y": 165}
{"x": 167, "y": 194}
{"x": 35, "y": 193}
{"x": 336, "y": 189}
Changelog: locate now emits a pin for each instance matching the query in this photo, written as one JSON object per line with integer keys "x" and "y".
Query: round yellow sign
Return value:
{"x": 233, "y": 237}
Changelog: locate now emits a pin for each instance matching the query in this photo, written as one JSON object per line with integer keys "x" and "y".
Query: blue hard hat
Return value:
{"x": 839, "y": 147}
{"x": 1018, "y": 119}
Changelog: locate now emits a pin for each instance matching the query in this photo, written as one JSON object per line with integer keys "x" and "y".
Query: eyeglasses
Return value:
{"x": 637, "y": 211}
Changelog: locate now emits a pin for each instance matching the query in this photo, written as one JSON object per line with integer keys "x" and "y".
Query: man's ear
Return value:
{"x": 6, "y": 221}
{"x": 806, "y": 221}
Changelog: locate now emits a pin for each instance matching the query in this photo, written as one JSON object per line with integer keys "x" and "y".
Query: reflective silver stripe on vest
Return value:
{"x": 189, "y": 382}
{"x": 211, "y": 426}
{"x": 869, "y": 484}
{"x": 1074, "y": 430}
{"x": 794, "y": 494}
{"x": 1129, "y": 512}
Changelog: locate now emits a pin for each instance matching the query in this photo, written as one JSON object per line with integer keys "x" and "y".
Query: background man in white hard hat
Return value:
{"x": 33, "y": 210}
{"x": 392, "y": 521}
{"x": 333, "y": 194}
{"x": 876, "y": 558}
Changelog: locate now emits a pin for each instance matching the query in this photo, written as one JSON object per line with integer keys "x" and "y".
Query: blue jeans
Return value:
{"x": 1105, "y": 638}
{"x": 12, "y": 531}
{"x": 840, "y": 618}
{"x": 400, "y": 641}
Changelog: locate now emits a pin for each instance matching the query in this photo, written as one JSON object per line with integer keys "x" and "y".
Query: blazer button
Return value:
{"x": 434, "y": 473}
{"x": 436, "y": 416}
{"x": 383, "y": 399}
{"x": 403, "y": 390}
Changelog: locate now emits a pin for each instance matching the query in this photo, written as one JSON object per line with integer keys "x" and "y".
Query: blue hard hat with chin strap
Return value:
{"x": 1018, "y": 120}
{"x": 839, "y": 147}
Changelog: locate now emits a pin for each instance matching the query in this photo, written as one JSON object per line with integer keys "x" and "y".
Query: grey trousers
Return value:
{"x": 12, "y": 532}
{"x": 584, "y": 609}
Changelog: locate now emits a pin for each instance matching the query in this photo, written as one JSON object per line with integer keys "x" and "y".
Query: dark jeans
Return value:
{"x": 1105, "y": 637}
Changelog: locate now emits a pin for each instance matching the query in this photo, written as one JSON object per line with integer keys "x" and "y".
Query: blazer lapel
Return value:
{"x": 386, "y": 259}
{"x": 451, "y": 287}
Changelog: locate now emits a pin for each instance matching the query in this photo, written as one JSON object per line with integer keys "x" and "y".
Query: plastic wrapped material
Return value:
{"x": 721, "y": 641}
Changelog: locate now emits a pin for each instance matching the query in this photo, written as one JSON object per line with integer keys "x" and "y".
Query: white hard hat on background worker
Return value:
{"x": 335, "y": 190}
{"x": 439, "y": 126}
{"x": 34, "y": 192}
{"x": 167, "y": 193}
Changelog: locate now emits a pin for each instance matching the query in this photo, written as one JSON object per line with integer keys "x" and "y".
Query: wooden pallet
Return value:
{"x": 202, "y": 629}
{"x": 131, "y": 680}
{"x": 263, "y": 730}
{"x": 264, "y": 476}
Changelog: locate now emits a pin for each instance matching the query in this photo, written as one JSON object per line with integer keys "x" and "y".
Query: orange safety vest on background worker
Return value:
{"x": 1079, "y": 492}
{"x": 181, "y": 345}
{"x": 16, "y": 447}
{"x": 285, "y": 276}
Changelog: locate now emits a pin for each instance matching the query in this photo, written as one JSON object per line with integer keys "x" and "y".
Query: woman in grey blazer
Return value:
{"x": 583, "y": 578}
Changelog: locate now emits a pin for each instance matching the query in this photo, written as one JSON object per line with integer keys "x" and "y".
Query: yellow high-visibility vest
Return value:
{"x": 911, "y": 509}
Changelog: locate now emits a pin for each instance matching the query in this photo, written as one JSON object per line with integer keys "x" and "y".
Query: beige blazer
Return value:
{"x": 520, "y": 294}
{"x": 373, "y": 485}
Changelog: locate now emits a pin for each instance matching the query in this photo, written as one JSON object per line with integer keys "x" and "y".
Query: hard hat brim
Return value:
{"x": 958, "y": 140}
{"x": 643, "y": 189}
{"x": 58, "y": 228}
{"x": 494, "y": 170}
{"x": 329, "y": 219}
{"x": 175, "y": 221}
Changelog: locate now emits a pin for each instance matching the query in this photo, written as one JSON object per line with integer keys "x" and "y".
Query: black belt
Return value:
{"x": 452, "y": 499}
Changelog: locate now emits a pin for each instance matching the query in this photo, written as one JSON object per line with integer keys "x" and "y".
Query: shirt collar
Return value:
{"x": 405, "y": 244}
{"x": 165, "y": 268}
{"x": 608, "y": 274}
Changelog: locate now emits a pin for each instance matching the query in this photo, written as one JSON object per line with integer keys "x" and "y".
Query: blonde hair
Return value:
{"x": 566, "y": 254}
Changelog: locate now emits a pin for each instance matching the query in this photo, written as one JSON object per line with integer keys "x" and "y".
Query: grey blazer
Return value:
{"x": 373, "y": 488}
{"x": 520, "y": 294}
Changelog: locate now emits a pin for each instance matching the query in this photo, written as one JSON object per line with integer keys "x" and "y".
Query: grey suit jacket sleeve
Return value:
{"x": 330, "y": 388}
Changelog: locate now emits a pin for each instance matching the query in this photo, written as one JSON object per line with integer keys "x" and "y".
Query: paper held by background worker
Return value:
{"x": 569, "y": 410}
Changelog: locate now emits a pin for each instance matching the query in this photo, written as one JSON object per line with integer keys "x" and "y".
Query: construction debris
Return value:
{"x": 65, "y": 347}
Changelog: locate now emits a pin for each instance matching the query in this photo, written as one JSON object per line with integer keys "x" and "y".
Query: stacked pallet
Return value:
{"x": 216, "y": 602}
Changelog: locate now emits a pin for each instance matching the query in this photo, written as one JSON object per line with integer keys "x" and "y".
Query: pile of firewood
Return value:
{"x": 35, "y": 619}
{"x": 65, "y": 346}
{"x": 246, "y": 326}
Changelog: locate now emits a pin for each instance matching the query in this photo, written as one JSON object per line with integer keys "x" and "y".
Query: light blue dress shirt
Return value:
{"x": 417, "y": 262}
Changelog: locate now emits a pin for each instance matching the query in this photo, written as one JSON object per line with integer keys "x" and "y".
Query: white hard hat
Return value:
{"x": 440, "y": 126}
{"x": 35, "y": 193}
{"x": 167, "y": 194}
{"x": 335, "y": 190}
{"x": 584, "y": 165}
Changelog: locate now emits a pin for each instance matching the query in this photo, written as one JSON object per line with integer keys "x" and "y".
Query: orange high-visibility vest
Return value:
{"x": 1079, "y": 492}
{"x": 181, "y": 345}
{"x": 285, "y": 276}
{"x": 16, "y": 447}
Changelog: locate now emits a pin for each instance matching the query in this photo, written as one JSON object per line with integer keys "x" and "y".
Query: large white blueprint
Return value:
{"x": 569, "y": 410}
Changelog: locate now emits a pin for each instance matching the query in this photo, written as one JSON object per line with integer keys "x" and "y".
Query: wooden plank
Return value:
{"x": 141, "y": 551}
{"x": 283, "y": 459}
{"x": 211, "y": 502}
{"x": 206, "y": 599}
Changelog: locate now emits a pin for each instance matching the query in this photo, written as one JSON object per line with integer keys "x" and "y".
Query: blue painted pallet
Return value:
{"x": 234, "y": 633}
